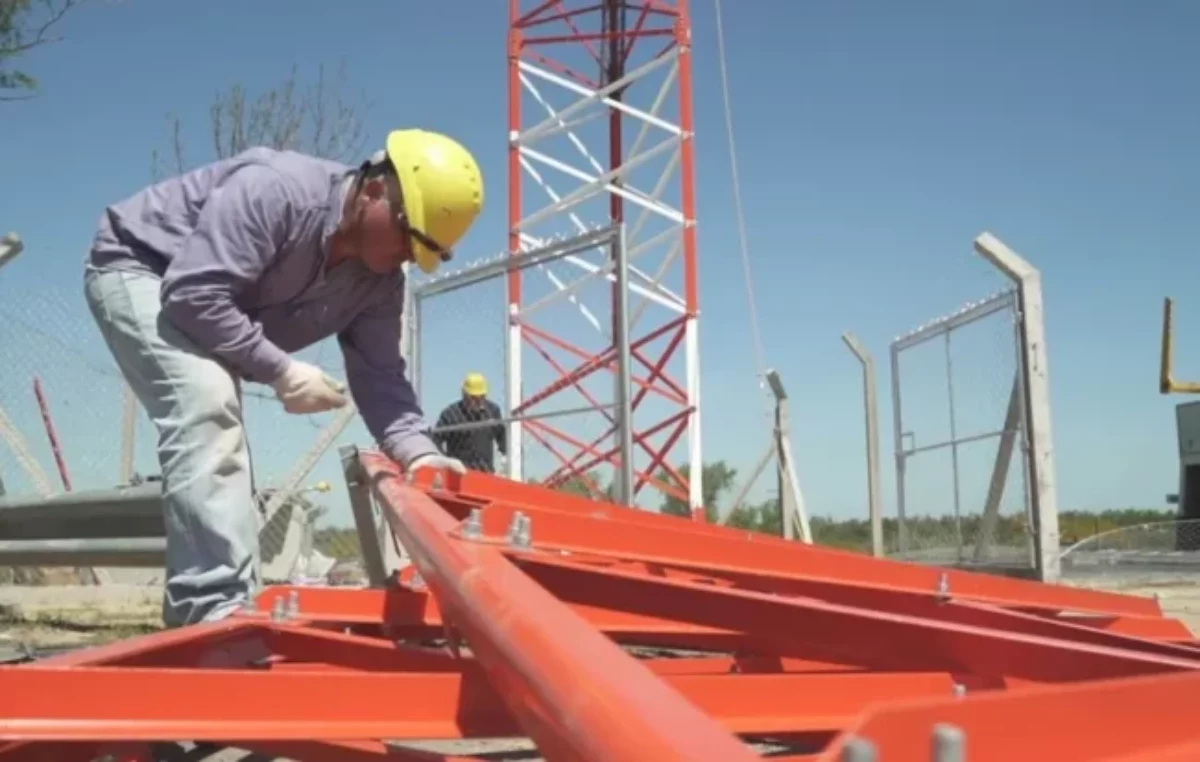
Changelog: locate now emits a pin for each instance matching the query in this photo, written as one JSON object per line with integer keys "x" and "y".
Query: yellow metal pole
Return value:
{"x": 1166, "y": 383}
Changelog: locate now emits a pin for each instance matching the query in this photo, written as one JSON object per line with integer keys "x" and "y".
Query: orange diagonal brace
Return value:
{"x": 573, "y": 690}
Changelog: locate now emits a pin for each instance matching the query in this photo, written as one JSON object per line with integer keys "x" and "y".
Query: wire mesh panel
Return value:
{"x": 959, "y": 412}
{"x": 49, "y": 339}
{"x": 461, "y": 371}
{"x": 68, "y": 423}
{"x": 1155, "y": 558}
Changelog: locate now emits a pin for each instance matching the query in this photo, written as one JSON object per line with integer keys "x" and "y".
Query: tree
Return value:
{"x": 718, "y": 477}
{"x": 25, "y": 25}
{"x": 575, "y": 485}
{"x": 763, "y": 517}
{"x": 318, "y": 119}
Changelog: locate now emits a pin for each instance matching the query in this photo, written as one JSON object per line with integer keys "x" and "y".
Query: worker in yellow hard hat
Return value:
{"x": 467, "y": 429}
{"x": 215, "y": 277}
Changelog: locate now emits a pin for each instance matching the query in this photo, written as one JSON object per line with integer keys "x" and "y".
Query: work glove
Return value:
{"x": 304, "y": 388}
{"x": 436, "y": 460}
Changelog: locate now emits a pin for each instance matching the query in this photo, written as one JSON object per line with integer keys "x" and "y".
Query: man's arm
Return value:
{"x": 379, "y": 383}
{"x": 240, "y": 230}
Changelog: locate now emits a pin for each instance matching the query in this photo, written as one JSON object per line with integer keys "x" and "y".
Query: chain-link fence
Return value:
{"x": 959, "y": 412}
{"x": 49, "y": 338}
{"x": 460, "y": 370}
{"x": 69, "y": 424}
{"x": 1160, "y": 552}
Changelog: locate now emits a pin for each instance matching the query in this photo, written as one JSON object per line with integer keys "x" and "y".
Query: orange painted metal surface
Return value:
{"x": 605, "y": 633}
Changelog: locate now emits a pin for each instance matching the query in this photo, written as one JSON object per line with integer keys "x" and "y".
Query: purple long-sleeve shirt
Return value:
{"x": 242, "y": 246}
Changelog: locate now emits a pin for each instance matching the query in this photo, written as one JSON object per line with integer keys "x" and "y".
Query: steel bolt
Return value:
{"x": 472, "y": 528}
{"x": 293, "y": 605}
{"x": 437, "y": 481}
{"x": 960, "y": 690}
{"x": 944, "y": 585}
{"x": 859, "y": 750}
{"x": 949, "y": 743}
{"x": 514, "y": 527}
{"x": 524, "y": 536}
{"x": 278, "y": 614}
{"x": 417, "y": 582}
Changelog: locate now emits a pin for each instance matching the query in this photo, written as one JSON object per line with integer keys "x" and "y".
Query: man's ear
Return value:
{"x": 374, "y": 189}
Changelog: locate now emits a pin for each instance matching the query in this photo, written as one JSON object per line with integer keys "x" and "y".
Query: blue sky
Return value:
{"x": 876, "y": 140}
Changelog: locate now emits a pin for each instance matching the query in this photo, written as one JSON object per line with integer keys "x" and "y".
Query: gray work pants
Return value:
{"x": 194, "y": 402}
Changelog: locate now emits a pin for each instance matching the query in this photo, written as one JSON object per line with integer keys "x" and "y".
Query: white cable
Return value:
{"x": 760, "y": 355}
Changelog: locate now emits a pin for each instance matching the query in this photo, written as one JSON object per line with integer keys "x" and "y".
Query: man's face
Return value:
{"x": 474, "y": 402}
{"x": 380, "y": 240}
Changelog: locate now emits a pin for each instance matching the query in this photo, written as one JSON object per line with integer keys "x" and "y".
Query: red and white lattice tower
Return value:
{"x": 600, "y": 130}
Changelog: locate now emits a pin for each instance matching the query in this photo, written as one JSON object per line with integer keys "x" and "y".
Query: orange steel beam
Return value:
{"x": 574, "y": 691}
{"x": 404, "y": 609}
{"x": 766, "y": 553}
{"x": 519, "y": 636}
{"x": 1146, "y": 719}
{"x": 416, "y": 611}
{"x": 308, "y": 751}
{"x": 201, "y": 644}
{"x": 922, "y": 643}
{"x": 348, "y": 751}
{"x": 240, "y": 705}
{"x": 715, "y": 557}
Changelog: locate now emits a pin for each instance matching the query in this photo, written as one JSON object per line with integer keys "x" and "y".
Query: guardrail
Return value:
{"x": 123, "y": 527}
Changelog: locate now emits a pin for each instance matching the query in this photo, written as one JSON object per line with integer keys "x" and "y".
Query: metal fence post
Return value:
{"x": 624, "y": 475}
{"x": 1037, "y": 391}
{"x": 898, "y": 446}
{"x": 364, "y": 516}
{"x": 792, "y": 510}
{"x": 871, "y": 415}
{"x": 951, "y": 411}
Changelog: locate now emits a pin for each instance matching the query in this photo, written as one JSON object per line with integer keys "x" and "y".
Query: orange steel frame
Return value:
{"x": 581, "y": 48}
{"x": 607, "y": 633}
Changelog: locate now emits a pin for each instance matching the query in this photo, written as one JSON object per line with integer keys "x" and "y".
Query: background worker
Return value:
{"x": 472, "y": 445}
{"x": 212, "y": 278}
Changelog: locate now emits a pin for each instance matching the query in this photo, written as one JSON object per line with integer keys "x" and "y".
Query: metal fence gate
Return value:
{"x": 946, "y": 433}
{"x": 971, "y": 432}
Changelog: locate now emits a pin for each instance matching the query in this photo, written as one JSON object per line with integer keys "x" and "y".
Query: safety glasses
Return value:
{"x": 396, "y": 201}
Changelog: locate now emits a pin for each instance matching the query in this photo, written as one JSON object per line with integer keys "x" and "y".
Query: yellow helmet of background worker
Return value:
{"x": 475, "y": 385}
{"x": 442, "y": 189}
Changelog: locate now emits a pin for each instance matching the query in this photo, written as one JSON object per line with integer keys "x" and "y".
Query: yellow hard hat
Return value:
{"x": 475, "y": 385}
{"x": 442, "y": 189}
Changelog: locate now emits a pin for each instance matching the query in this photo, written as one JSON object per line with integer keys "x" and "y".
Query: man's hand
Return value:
{"x": 304, "y": 388}
{"x": 436, "y": 460}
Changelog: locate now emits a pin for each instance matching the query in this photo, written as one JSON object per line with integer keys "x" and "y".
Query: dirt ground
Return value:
{"x": 1179, "y": 599}
{"x": 43, "y": 620}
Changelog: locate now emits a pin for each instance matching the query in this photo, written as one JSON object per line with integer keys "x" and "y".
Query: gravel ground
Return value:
{"x": 1179, "y": 598}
